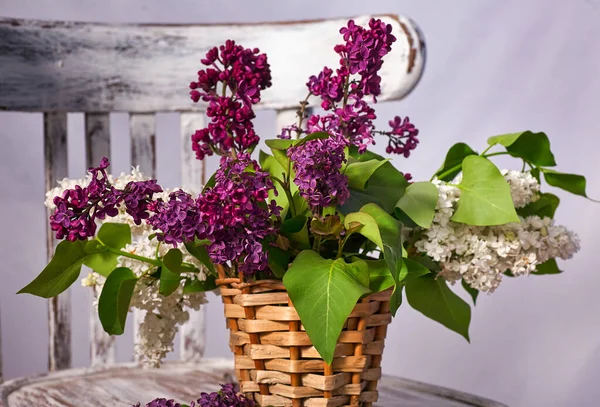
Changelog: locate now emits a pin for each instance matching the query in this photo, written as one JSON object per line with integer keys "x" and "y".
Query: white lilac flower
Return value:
{"x": 480, "y": 255}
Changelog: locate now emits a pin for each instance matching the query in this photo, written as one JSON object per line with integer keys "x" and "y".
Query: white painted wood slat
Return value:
{"x": 143, "y": 154}
{"x": 97, "y": 145}
{"x": 192, "y": 333}
{"x": 147, "y": 68}
{"x": 59, "y": 308}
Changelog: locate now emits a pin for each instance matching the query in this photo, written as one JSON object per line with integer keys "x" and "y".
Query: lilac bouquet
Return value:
{"x": 330, "y": 218}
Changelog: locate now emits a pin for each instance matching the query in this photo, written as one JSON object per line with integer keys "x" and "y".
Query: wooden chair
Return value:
{"x": 60, "y": 67}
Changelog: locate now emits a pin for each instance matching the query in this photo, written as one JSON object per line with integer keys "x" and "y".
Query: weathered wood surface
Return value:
{"x": 193, "y": 173}
{"x": 124, "y": 385}
{"x": 88, "y": 67}
{"x": 59, "y": 308}
{"x": 97, "y": 145}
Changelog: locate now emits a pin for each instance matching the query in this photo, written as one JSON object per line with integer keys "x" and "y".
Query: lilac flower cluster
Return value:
{"x": 245, "y": 73}
{"x": 226, "y": 397}
{"x": 317, "y": 164}
{"x": 77, "y": 209}
{"x": 160, "y": 403}
{"x": 178, "y": 219}
{"x": 238, "y": 215}
{"x": 342, "y": 91}
{"x": 403, "y": 137}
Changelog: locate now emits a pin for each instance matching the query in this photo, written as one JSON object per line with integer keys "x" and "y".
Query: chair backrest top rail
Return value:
{"x": 92, "y": 67}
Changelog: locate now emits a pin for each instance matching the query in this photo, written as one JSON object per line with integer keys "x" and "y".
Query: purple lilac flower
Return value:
{"x": 77, "y": 209}
{"x": 342, "y": 91}
{"x": 137, "y": 197}
{"x": 178, "y": 219}
{"x": 160, "y": 403}
{"x": 317, "y": 164}
{"x": 239, "y": 215}
{"x": 226, "y": 397}
{"x": 245, "y": 73}
{"x": 403, "y": 137}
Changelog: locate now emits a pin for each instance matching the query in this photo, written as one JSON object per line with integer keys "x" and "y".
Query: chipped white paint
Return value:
{"x": 192, "y": 338}
{"x": 124, "y": 385}
{"x": 97, "y": 145}
{"x": 147, "y": 68}
{"x": 59, "y": 308}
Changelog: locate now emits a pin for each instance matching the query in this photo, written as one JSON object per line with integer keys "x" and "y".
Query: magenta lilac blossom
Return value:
{"x": 77, "y": 209}
{"x": 230, "y": 85}
{"x": 318, "y": 165}
{"x": 238, "y": 214}
{"x": 403, "y": 137}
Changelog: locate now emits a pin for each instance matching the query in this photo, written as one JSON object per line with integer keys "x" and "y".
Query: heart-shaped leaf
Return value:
{"x": 115, "y": 298}
{"x": 324, "y": 292}
{"x": 485, "y": 198}
{"x": 432, "y": 297}
{"x": 419, "y": 202}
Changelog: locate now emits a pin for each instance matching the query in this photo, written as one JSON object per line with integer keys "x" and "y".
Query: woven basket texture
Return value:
{"x": 275, "y": 362}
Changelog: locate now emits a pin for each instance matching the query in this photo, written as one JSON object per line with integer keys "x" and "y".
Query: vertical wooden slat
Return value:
{"x": 97, "y": 145}
{"x": 143, "y": 153}
{"x": 143, "y": 142}
{"x": 192, "y": 342}
{"x": 55, "y": 158}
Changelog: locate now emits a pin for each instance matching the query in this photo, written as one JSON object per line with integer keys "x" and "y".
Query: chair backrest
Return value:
{"x": 60, "y": 67}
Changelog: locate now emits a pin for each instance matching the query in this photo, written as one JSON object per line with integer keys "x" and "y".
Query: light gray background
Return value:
{"x": 493, "y": 67}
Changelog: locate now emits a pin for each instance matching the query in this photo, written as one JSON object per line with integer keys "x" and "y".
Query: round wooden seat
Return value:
{"x": 124, "y": 385}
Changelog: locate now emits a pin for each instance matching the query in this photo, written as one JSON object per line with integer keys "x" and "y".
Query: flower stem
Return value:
{"x": 288, "y": 193}
{"x": 133, "y": 256}
{"x": 496, "y": 153}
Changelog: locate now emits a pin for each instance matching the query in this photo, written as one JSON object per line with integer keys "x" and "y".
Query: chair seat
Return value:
{"x": 123, "y": 385}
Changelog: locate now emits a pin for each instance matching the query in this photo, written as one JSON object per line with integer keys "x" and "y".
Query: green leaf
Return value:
{"x": 359, "y": 172}
{"x": 325, "y": 299}
{"x": 391, "y": 239}
{"x": 380, "y": 276}
{"x": 369, "y": 228}
{"x": 485, "y": 198}
{"x": 545, "y": 206}
{"x": 414, "y": 270}
{"x": 282, "y": 159}
{"x": 293, "y": 225}
{"x": 472, "y": 291}
{"x": 432, "y": 297}
{"x": 532, "y": 147}
{"x": 311, "y": 136}
{"x": 115, "y": 235}
{"x": 547, "y": 267}
{"x": 60, "y": 273}
{"x": 572, "y": 183}
{"x": 170, "y": 277}
{"x": 113, "y": 304}
{"x": 454, "y": 158}
{"x": 384, "y": 188}
{"x": 279, "y": 144}
{"x": 199, "y": 252}
{"x": 419, "y": 202}
{"x": 197, "y": 286}
{"x": 365, "y": 156}
{"x": 278, "y": 261}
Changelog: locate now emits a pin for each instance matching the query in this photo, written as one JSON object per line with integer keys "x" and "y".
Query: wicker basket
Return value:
{"x": 275, "y": 361}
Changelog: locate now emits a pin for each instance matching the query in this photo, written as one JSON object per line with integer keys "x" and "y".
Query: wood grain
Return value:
{"x": 192, "y": 338}
{"x": 89, "y": 67}
{"x": 59, "y": 308}
{"x": 97, "y": 146}
{"x": 124, "y": 385}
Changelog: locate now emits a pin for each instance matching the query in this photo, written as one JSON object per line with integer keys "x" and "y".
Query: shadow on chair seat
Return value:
{"x": 124, "y": 385}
